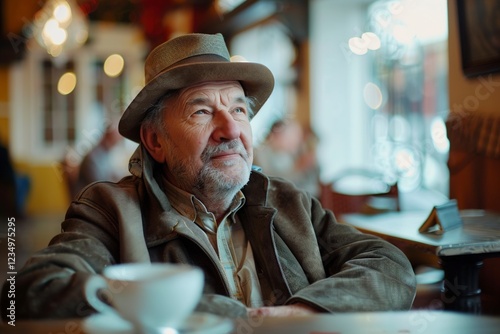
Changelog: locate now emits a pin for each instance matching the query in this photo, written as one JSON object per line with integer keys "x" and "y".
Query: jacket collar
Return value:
{"x": 160, "y": 220}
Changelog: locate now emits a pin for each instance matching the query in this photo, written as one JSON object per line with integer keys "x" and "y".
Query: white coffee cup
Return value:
{"x": 150, "y": 296}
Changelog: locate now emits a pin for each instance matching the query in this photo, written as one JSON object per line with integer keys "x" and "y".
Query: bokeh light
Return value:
{"x": 372, "y": 96}
{"x": 67, "y": 83}
{"x": 113, "y": 65}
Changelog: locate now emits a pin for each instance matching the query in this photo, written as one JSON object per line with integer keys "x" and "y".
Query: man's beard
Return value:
{"x": 211, "y": 180}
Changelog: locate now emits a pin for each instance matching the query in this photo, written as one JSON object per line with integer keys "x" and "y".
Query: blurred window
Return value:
{"x": 271, "y": 45}
{"x": 60, "y": 105}
{"x": 109, "y": 89}
{"x": 58, "y": 108}
{"x": 379, "y": 92}
{"x": 409, "y": 87}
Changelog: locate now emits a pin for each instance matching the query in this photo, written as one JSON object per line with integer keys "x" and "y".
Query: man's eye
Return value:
{"x": 239, "y": 110}
{"x": 200, "y": 112}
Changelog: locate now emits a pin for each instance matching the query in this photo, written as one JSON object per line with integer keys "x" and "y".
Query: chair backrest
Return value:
{"x": 359, "y": 191}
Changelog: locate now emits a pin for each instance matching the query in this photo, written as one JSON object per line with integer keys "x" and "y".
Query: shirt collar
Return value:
{"x": 189, "y": 206}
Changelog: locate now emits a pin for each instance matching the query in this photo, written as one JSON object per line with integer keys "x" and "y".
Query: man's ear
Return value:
{"x": 153, "y": 144}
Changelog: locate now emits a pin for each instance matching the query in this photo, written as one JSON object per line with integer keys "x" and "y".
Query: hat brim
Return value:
{"x": 256, "y": 79}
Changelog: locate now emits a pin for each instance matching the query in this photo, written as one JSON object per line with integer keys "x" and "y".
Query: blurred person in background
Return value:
{"x": 289, "y": 152}
{"x": 99, "y": 163}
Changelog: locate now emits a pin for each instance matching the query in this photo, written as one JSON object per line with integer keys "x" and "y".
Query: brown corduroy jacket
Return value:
{"x": 302, "y": 253}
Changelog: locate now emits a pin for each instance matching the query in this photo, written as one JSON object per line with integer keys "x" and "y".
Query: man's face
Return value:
{"x": 208, "y": 138}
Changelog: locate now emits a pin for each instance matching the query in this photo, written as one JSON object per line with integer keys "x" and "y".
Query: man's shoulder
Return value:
{"x": 127, "y": 186}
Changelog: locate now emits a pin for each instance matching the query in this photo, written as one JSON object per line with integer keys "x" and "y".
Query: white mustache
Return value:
{"x": 235, "y": 146}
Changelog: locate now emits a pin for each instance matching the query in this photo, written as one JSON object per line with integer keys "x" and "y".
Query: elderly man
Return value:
{"x": 265, "y": 247}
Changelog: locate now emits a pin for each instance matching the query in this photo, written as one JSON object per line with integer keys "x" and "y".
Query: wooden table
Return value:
{"x": 423, "y": 321}
{"x": 460, "y": 251}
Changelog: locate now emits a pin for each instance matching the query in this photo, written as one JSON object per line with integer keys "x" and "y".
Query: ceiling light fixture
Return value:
{"x": 60, "y": 26}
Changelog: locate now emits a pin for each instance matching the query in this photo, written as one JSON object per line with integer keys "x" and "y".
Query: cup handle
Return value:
{"x": 92, "y": 287}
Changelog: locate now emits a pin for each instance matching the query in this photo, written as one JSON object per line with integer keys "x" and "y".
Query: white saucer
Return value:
{"x": 107, "y": 324}
{"x": 197, "y": 323}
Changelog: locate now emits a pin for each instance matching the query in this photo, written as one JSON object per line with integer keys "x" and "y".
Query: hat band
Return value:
{"x": 151, "y": 73}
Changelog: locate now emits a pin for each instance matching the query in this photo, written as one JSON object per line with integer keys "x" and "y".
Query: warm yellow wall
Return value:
{"x": 4, "y": 130}
{"x": 4, "y": 120}
{"x": 47, "y": 193}
{"x": 468, "y": 95}
{"x": 4, "y": 92}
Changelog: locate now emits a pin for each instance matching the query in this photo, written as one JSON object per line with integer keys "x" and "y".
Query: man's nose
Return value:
{"x": 226, "y": 127}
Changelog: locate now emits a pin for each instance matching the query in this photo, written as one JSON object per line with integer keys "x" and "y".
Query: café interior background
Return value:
{"x": 375, "y": 81}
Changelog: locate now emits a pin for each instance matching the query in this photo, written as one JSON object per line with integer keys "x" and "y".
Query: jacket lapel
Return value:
{"x": 257, "y": 221}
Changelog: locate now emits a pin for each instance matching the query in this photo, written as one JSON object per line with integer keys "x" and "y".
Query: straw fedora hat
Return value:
{"x": 187, "y": 60}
